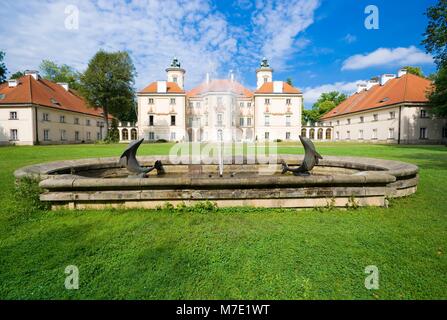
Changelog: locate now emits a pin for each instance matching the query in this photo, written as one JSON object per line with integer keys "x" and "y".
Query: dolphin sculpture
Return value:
{"x": 311, "y": 158}
{"x": 128, "y": 159}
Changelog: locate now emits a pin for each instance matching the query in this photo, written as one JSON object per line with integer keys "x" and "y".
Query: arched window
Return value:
{"x": 133, "y": 134}
{"x": 320, "y": 134}
{"x": 304, "y": 132}
{"x": 328, "y": 134}
{"x": 125, "y": 134}
{"x": 312, "y": 134}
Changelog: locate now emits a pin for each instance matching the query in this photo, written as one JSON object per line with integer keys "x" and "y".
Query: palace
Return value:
{"x": 219, "y": 109}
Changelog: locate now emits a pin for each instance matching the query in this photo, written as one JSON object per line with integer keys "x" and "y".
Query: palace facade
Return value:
{"x": 219, "y": 109}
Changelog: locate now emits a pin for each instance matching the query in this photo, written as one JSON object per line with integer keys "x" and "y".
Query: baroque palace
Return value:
{"x": 219, "y": 109}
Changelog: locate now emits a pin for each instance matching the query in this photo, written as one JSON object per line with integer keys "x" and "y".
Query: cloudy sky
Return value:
{"x": 322, "y": 45}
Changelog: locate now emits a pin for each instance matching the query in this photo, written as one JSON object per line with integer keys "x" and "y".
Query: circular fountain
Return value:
{"x": 227, "y": 181}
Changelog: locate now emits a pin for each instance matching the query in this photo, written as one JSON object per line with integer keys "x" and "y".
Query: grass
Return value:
{"x": 241, "y": 253}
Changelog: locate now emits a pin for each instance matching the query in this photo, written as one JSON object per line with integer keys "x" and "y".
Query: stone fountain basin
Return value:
{"x": 336, "y": 181}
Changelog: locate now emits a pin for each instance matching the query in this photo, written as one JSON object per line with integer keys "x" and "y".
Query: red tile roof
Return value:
{"x": 268, "y": 88}
{"x": 45, "y": 93}
{"x": 171, "y": 87}
{"x": 221, "y": 85}
{"x": 408, "y": 88}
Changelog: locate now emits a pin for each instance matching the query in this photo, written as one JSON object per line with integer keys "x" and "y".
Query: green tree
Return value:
{"x": 414, "y": 70}
{"x": 435, "y": 42}
{"x": 435, "y": 36}
{"x": 3, "y": 69}
{"x": 60, "y": 73}
{"x": 324, "y": 104}
{"x": 17, "y": 75}
{"x": 113, "y": 135}
{"x": 108, "y": 83}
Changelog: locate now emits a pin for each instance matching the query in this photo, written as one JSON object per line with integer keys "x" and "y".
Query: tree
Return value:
{"x": 438, "y": 98}
{"x": 113, "y": 135}
{"x": 435, "y": 41}
{"x": 414, "y": 70}
{"x": 108, "y": 83}
{"x": 60, "y": 73}
{"x": 324, "y": 104}
{"x": 3, "y": 69}
{"x": 17, "y": 75}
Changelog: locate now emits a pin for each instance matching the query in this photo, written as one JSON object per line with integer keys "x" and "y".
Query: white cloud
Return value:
{"x": 153, "y": 32}
{"x": 385, "y": 57}
{"x": 311, "y": 94}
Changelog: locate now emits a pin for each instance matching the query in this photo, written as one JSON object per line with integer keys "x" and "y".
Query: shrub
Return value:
{"x": 27, "y": 196}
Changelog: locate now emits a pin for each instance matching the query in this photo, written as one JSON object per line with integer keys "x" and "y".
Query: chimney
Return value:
{"x": 361, "y": 87}
{"x": 12, "y": 83}
{"x": 371, "y": 83}
{"x": 385, "y": 78}
{"x": 207, "y": 78}
{"x": 64, "y": 85}
{"x": 33, "y": 73}
{"x": 401, "y": 72}
{"x": 277, "y": 86}
{"x": 231, "y": 76}
{"x": 161, "y": 87}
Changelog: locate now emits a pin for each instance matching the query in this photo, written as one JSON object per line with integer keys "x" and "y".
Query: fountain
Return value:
{"x": 315, "y": 181}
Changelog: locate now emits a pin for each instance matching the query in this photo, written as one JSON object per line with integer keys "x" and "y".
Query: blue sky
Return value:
{"x": 321, "y": 44}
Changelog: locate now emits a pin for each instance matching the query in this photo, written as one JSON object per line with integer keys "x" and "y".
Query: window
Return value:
{"x": 151, "y": 120}
{"x": 267, "y": 135}
{"x": 337, "y": 135}
{"x": 45, "y": 117}
{"x": 375, "y": 117}
{"x": 13, "y": 135}
{"x": 248, "y": 104}
{"x": 172, "y": 101}
{"x": 330, "y": 123}
{"x": 267, "y": 120}
{"x": 287, "y": 135}
{"x": 423, "y": 134}
{"x": 77, "y": 136}
{"x": 248, "y": 121}
{"x": 392, "y": 115}
{"x": 63, "y": 135}
{"x": 172, "y": 136}
{"x": 174, "y": 79}
{"x": 362, "y": 119}
{"x": 444, "y": 132}
{"x": 241, "y": 104}
{"x": 360, "y": 134}
{"x": 287, "y": 121}
{"x": 191, "y": 104}
{"x": 374, "y": 135}
{"x": 87, "y": 122}
{"x": 348, "y": 135}
{"x": 288, "y": 101}
{"x": 62, "y": 119}
{"x": 266, "y": 79}
{"x": 172, "y": 120}
{"x": 241, "y": 122}
{"x": 219, "y": 119}
{"x": 76, "y": 121}
{"x": 267, "y": 101}
{"x": 13, "y": 115}
{"x": 151, "y": 136}
{"x": 190, "y": 122}
{"x": 46, "y": 135}
{"x": 424, "y": 114}
{"x": 348, "y": 121}
{"x": 338, "y": 122}
{"x": 391, "y": 133}
{"x": 98, "y": 136}
{"x": 89, "y": 135}
{"x": 151, "y": 100}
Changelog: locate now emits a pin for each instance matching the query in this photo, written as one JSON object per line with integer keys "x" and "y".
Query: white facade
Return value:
{"x": 219, "y": 109}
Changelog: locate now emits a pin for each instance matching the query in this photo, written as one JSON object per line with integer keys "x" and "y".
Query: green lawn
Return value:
{"x": 229, "y": 253}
